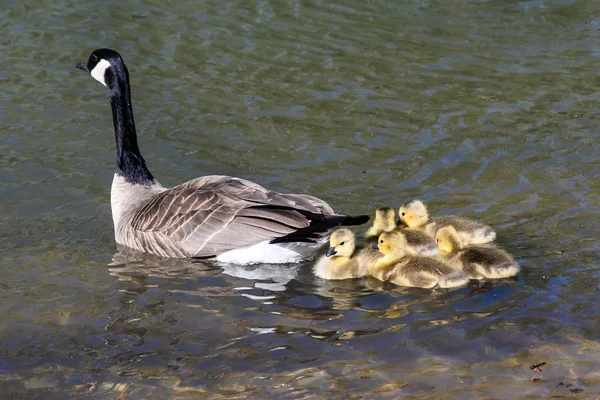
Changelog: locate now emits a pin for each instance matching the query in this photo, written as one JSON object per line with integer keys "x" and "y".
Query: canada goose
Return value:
{"x": 401, "y": 268}
{"x": 418, "y": 241}
{"x": 343, "y": 259}
{"x": 414, "y": 214}
{"x": 477, "y": 261}
{"x": 222, "y": 217}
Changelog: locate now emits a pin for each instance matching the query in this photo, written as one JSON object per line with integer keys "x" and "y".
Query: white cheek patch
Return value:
{"x": 99, "y": 70}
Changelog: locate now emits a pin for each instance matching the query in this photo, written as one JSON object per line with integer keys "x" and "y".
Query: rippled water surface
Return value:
{"x": 489, "y": 109}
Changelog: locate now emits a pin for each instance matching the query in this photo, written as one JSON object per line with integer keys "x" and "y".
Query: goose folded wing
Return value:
{"x": 247, "y": 190}
{"x": 207, "y": 223}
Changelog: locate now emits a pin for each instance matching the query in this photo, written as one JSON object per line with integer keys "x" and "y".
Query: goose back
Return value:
{"x": 210, "y": 215}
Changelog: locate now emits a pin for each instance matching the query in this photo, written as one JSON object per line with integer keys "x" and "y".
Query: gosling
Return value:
{"x": 400, "y": 267}
{"x": 414, "y": 214}
{"x": 419, "y": 243}
{"x": 477, "y": 261}
{"x": 343, "y": 260}
{"x": 384, "y": 221}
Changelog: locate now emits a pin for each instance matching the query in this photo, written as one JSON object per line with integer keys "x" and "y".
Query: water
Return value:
{"x": 489, "y": 109}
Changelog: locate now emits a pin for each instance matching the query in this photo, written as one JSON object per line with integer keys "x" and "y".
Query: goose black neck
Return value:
{"x": 130, "y": 163}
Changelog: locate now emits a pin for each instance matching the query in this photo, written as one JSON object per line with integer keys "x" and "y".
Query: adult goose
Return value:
{"x": 230, "y": 219}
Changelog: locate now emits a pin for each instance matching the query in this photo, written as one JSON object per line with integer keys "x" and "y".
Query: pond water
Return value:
{"x": 489, "y": 109}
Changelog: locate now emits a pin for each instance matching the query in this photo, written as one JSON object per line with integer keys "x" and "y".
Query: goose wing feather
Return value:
{"x": 213, "y": 214}
{"x": 253, "y": 192}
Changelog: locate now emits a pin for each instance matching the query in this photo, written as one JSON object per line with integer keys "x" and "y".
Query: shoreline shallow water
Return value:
{"x": 485, "y": 109}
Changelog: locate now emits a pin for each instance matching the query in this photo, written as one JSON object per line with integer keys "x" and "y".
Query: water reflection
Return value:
{"x": 288, "y": 297}
{"x": 138, "y": 268}
{"x": 195, "y": 328}
{"x": 190, "y": 327}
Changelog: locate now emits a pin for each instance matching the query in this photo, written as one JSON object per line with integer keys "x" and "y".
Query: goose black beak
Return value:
{"x": 331, "y": 252}
{"x": 375, "y": 247}
{"x": 83, "y": 66}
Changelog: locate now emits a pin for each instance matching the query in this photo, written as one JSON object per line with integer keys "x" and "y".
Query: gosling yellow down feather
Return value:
{"x": 402, "y": 268}
{"x": 477, "y": 261}
{"x": 418, "y": 242}
{"x": 414, "y": 214}
{"x": 343, "y": 259}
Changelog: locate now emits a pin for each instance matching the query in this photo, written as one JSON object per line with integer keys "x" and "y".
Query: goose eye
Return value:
{"x": 381, "y": 241}
{"x": 341, "y": 244}
{"x": 403, "y": 214}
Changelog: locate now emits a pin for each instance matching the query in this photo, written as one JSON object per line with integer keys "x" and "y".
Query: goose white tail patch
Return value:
{"x": 99, "y": 70}
{"x": 267, "y": 253}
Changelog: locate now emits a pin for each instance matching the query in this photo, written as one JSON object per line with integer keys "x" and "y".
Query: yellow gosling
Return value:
{"x": 384, "y": 221}
{"x": 414, "y": 214}
{"x": 343, "y": 260}
{"x": 477, "y": 261}
{"x": 419, "y": 243}
{"x": 399, "y": 266}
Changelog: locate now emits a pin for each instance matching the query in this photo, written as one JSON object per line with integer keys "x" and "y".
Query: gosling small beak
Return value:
{"x": 83, "y": 66}
{"x": 375, "y": 247}
{"x": 399, "y": 223}
{"x": 331, "y": 252}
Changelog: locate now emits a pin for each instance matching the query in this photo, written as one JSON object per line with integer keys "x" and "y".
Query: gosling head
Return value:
{"x": 342, "y": 243}
{"x": 413, "y": 214}
{"x": 385, "y": 221}
{"x": 448, "y": 240}
{"x": 392, "y": 244}
{"x": 106, "y": 66}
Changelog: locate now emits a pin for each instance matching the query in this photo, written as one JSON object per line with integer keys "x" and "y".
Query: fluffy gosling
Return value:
{"x": 400, "y": 267}
{"x": 414, "y": 214}
{"x": 477, "y": 261}
{"x": 384, "y": 221}
{"x": 419, "y": 243}
{"x": 343, "y": 260}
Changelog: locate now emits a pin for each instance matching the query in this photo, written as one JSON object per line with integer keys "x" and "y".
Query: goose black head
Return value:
{"x": 104, "y": 65}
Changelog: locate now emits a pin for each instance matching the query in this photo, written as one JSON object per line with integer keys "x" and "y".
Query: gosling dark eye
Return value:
{"x": 403, "y": 214}
{"x": 341, "y": 244}
{"x": 381, "y": 241}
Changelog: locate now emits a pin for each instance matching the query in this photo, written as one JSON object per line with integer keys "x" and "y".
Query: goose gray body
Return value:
{"x": 205, "y": 217}
{"x": 227, "y": 218}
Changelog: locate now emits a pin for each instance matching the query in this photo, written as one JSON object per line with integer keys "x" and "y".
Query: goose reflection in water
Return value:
{"x": 136, "y": 267}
